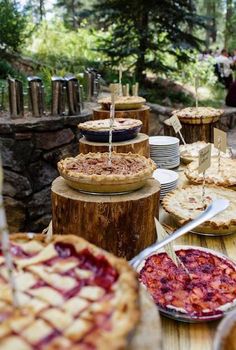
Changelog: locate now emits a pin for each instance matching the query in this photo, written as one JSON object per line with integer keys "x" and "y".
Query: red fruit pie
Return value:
{"x": 72, "y": 295}
{"x": 208, "y": 291}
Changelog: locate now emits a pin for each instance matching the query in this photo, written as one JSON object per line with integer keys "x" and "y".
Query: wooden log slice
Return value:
{"x": 121, "y": 224}
{"x": 193, "y": 132}
{"x": 138, "y": 145}
{"x": 141, "y": 114}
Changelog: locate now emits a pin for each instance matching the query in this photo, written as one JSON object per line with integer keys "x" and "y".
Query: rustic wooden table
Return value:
{"x": 184, "y": 336}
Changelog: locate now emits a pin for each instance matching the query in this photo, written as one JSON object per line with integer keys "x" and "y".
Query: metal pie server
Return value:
{"x": 213, "y": 209}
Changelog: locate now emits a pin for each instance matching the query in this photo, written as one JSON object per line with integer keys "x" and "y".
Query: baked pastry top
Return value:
{"x": 72, "y": 295}
{"x": 190, "y": 151}
{"x": 104, "y": 124}
{"x": 199, "y": 112}
{"x": 226, "y": 177}
{"x": 186, "y": 203}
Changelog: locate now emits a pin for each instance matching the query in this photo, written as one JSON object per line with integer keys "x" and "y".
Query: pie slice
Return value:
{"x": 123, "y": 102}
{"x": 226, "y": 177}
{"x": 199, "y": 115}
{"x": 186, "y": 203}
{"x": 206, "y": 293}
{"x": 92, "y": 172}
{"x": 65, "y": 309}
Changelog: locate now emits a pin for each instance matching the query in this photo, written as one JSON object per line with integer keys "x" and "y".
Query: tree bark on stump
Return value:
{"x": 193, "y": 132}
{"x": 141, "y": 114}
{"x": 138, "y": 145}
{"x": 121, "y": 224}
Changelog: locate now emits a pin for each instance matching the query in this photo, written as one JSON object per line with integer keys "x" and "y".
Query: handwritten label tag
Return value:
{"x": 204, "y": 160}
{"x": 220, "y": 140}
{"x": 174, "y": 121}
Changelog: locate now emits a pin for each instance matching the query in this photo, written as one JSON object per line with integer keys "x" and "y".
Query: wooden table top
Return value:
{"x": 184, "y": 336}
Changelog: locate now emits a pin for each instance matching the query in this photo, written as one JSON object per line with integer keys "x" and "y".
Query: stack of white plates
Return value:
{"x": 164, "y": 151}
{"x": 168, "y": 180}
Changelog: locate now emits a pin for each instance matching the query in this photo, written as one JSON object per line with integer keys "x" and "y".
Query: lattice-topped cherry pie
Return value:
{"x": 72, "y": 295}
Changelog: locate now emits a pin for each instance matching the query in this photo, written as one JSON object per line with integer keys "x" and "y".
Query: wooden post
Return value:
{"x": 122, "y": 224}
{"x": 141, "y": 114}
{"x": 138, "y": 145}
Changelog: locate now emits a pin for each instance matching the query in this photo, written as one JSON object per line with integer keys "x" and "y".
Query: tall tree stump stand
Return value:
{"x": 193, "y": 132}
{"x": 138, "y": 145}
{"x": 142, "y": 114}
{"x": 122, "y": 224}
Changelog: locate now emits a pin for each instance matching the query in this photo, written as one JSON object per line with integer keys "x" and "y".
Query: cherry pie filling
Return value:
{"x": 210, "y": 286}
{"x": 71, "y": 295}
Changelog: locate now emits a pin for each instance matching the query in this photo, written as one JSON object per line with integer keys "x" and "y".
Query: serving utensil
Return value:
{"x": 213, "y": 209}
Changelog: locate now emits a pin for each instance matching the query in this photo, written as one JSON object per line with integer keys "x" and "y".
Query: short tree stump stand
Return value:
{"x": 121, "y": 224}
{"x": 138, "y": 145}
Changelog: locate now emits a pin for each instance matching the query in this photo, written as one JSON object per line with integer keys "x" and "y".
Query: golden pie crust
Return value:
{"x": 190, "y": 152}
{"x": 123, "y": 102}
{"x": 200, "y": 115}
{"x": 91, "y": 172}
{"x": 95, "y": 315}
{"x": 186, "y": 203}
{"x": 226, "y": 177}
{"x": 104, "y": 124}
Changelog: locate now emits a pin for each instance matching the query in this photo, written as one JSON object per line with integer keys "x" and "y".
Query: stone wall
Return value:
{"x": 30, "y": 149}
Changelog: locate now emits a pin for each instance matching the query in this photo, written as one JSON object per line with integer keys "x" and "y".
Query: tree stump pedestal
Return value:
{"x": 138, "y": 145}
{"x": 121, "y": 224}
{"x": 193, "y": 132}
{"x": 140, "y": 113}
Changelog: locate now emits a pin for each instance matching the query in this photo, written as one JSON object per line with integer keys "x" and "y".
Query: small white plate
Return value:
{"x": 163, "y": 140}
{"x": 165, "y": 176}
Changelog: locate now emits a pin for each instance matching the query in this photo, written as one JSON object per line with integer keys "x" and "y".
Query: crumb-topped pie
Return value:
{"x": 72, "y": 295}
{"x": 199, "y": 115}
{"x": 190, "y": 152}
{"x": 226, "y": 177}
{"x": 204, "y": 291}
{"x": 92, "y": 172}
{"x": 123, "y": 102}
{"x": 186, "y": 203}
{"x": 98, "y": 130}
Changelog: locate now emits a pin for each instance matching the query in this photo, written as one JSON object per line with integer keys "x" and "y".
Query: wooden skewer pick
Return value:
{"x": 6, "y": 244}
{"x": 112, "y": 117}
{"x": 120, "y": 79}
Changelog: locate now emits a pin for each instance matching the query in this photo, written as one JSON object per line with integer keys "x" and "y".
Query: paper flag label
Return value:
{"x": 204, "y": 160}
{"x": 174, "y": 121}
{"x": 220, "y": 140}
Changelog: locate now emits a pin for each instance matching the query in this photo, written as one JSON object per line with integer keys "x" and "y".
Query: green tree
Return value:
{"x": 12, "y": 26}
{"x": 36, "y": 8}
{"x": 142, "y": 30}
{"x": 71, "y": 12}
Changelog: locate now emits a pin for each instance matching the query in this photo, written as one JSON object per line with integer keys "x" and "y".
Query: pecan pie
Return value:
{"x": 186, "y": 203}
{"x": 226, "y": 177}
{"x": 205, "y": 292}
{"x": 72, "y": 295}
{"x": 200, "y": 115}
{"x": 123, "y": 102}
{"x": 190, "y": 152}
{"x": 92, "y": 172}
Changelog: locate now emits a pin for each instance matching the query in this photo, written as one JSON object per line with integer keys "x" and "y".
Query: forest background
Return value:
{"x": 158, "y": 43}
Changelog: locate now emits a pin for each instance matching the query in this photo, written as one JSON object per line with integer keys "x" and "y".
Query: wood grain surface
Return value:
{"x": 183, "y": 336}
{"x": 122, "y": 224}
{"x": 138, "y": 145}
